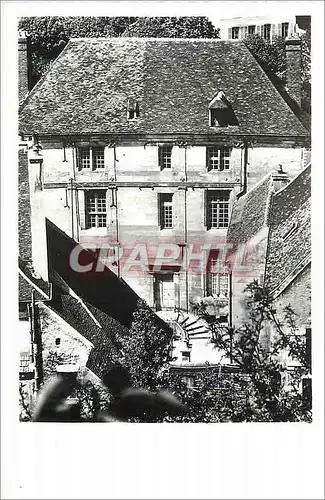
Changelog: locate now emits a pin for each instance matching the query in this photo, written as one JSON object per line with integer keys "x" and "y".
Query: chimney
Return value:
{"x": 23, "y": 86}
{"x": 293, "y": 68}
{"x": 280, "y": 179}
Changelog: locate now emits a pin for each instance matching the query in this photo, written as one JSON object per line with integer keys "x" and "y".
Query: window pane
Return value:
{"x": 166, "y": 203}
{"x": 98, "y": 158}
{"x": 96, "y": 209}
{"x": 218, "y": 209}
{"x": 235, "y": 33}
{"x": 85, "y": 158}
{"x": 165, "y": 156}
{"x": 213, "y": 159}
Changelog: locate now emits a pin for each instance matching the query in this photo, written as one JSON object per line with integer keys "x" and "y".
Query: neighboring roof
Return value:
{"x": 87, "y": 89}
{"x": 249, "y": 213}
{"x": 289, "y": 246}
{"x": 29, "y": 281}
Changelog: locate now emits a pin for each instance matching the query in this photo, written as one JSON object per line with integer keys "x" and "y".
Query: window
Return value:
{"x": 217, "y": 280}
{"x": 91, "y": 158}
{"x": 186, "y": 356}
{"x": 218, "y": 158}
{"x": 24, "y": 361}
{"x": 217, "y": 209}
{"x": 235, "y": 33}
{"x": 133, "y": 109}
{"x": 267, "y": 31}
{"x": 251, "y": 29}
{"x": 166, "y": 210}
{"x": 165, "y": 157}
{"x": 284, "y": 30}
{"x": 188, "y": 381}
{"x": 96, "y": 215}
{"x": 57, "y": 341}
{"x": 23, "y": 311}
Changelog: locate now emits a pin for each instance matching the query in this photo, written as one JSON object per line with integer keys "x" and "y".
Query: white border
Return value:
{"x": 154, "y": 461}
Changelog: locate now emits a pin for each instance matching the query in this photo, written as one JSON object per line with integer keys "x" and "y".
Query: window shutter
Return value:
{"x": 291, "y": 28}
{"x": 206, "y": 208}
{"x": 279, "y": 29}
{"x": 159, "y": 205}
{"x": 156, "y": 294}
{"x": 273, "y": 31}
{"x": 229, "y": 33}
{"x": 207, "y": 158}
{"x": 78, "y": 158}
{"x": 259, "y": 29}
{"x": 81, "y": 208}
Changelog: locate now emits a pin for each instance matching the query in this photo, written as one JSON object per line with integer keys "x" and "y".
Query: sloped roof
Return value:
{"x": 289, "y": 246}
{"x": 29, "y": 281}
{"x": 87, "y": 88}
{"x": 249, "y": 213}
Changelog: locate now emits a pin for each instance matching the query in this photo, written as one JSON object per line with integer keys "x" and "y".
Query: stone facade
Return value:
{"x": 133, "y": 181}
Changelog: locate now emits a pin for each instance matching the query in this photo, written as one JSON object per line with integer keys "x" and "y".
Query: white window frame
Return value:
{"x": 218, "y": 209}
{"x": 165, "y": 156}
{"x": 233, "y": 32}
{"x": 92, "y": 158}
{"x": 218, "y": 158}
{"x": 97, "y": 213}
{"x": 166, "y": 210}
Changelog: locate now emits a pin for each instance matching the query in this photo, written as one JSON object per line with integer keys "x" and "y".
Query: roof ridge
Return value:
{"x": 293, "y": 180}
{"x": 156, "y": 39}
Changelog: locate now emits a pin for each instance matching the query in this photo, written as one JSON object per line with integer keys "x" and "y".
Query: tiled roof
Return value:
{"x": 103, "y": 339}
{"x": 29, "y": 281}
{"x": 107, "y": 305}
{"x": 249, "y": 213}
{"x": 88, "y": 87}
{"x": 289, "y": 247}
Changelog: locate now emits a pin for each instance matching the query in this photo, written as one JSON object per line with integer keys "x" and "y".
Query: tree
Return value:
{"x": 272, "y": 58}
{"x": 172, "y": 27}
{"x": 145, "y": 351}
{"x": 275, "y": 393}
{"x": 48, "y": 35}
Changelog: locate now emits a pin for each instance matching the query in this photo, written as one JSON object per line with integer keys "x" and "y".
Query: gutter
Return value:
{"x": 244, "y": 173}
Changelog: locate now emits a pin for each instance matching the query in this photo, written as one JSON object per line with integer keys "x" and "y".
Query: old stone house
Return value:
{"x": 139, "y": 148}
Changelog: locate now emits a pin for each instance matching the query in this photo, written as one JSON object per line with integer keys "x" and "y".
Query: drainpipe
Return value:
{"x": 244, "y": 174}
{"x": 37, "y": 338}
{"x": 114, "y": 194}
{"x": 231, "y": 330}
{"x": 185, "y": 223}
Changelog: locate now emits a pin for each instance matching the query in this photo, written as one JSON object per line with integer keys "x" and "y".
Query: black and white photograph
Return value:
{"x": 164, "y": 195}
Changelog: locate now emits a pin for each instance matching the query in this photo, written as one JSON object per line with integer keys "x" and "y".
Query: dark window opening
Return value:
{"x": 186, "y": 356}
{"x": 57, "y": 341}
{"x": 235, "y": 33}
{"x": 267, "y": 31}
{"x": 284, "y": 30}
{"x": 251, "y": 29}
{"x": 96, "y": 211}
{"x": 133, "y": 109}
{"x": 23, "y": 311}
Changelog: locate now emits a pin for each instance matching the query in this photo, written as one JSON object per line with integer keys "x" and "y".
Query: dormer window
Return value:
{"x": 221, "y": 113}
{"x": 133, "y": 109}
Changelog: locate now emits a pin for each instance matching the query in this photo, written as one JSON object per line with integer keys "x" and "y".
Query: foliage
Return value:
{"x": 172, "y": 27}
{"x": 48, "y": 35}
{"x": 271, "y": 56}
{"x": 274, "y": 391}
{"x": 25, "y": 407}
{"x": 145, "y": 352}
